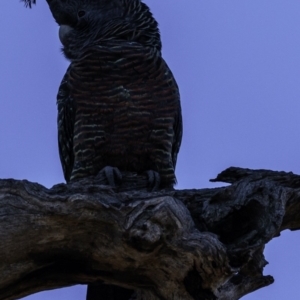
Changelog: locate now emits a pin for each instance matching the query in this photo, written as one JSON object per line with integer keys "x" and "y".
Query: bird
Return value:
{"x": 118, "y": 103}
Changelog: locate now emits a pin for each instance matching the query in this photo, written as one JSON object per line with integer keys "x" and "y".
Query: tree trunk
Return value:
{"x": 170, "y": 244}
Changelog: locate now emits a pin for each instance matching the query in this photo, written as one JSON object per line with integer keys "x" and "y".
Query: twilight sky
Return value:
{"x": 237, "y": 64}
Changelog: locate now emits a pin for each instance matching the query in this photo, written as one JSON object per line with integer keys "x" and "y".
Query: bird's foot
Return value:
{"x": 112, "y": 175}
{"x": 153, "y": 180}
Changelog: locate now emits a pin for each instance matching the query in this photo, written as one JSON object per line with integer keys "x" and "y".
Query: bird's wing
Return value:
{"x": 178, "y": 127}
{"x": 177, "y": 135}
{"x": 65, "y": 123}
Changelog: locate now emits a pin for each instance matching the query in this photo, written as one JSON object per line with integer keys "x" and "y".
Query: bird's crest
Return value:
{"x": 29, "y": 2}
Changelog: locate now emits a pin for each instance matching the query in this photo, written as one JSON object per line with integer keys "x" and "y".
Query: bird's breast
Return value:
{"x": 124, "y": 110}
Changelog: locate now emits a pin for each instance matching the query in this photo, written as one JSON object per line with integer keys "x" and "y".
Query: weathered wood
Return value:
{"x": 171, "y": 244}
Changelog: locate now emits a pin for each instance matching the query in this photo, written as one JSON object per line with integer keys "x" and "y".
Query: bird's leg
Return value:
{"x": 153, "y": 180}
{"x": 112, "y": 175}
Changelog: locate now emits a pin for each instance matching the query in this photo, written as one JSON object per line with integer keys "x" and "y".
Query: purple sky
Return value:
{"x": 237, "y": 64}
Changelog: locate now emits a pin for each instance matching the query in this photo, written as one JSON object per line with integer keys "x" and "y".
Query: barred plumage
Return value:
{"x": 118, "y": 104}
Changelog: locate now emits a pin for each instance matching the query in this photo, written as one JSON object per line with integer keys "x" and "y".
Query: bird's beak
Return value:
{"x": 63, "y": 32}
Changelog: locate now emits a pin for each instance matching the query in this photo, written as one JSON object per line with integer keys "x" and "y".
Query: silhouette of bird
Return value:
{"x": 118, "y": 103}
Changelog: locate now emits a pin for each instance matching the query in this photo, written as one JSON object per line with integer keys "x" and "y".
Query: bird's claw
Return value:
{"x": 153, "y": 180}
{"x": 112, "y": 175}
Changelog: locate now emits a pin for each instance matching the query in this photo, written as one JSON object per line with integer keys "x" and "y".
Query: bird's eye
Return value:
{"x": 81, "y": 13}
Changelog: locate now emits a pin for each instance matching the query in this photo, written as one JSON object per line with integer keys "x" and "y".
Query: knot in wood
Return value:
{"x": 145, "y": 236}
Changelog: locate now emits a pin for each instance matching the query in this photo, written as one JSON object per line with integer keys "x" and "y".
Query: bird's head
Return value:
{"x": 89, "y": 22}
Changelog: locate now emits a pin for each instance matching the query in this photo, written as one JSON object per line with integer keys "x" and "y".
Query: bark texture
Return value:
{"x": 171, "y": 244}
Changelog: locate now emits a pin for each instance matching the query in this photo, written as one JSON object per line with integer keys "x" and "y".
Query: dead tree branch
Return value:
{"x": 171, "y": 244}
